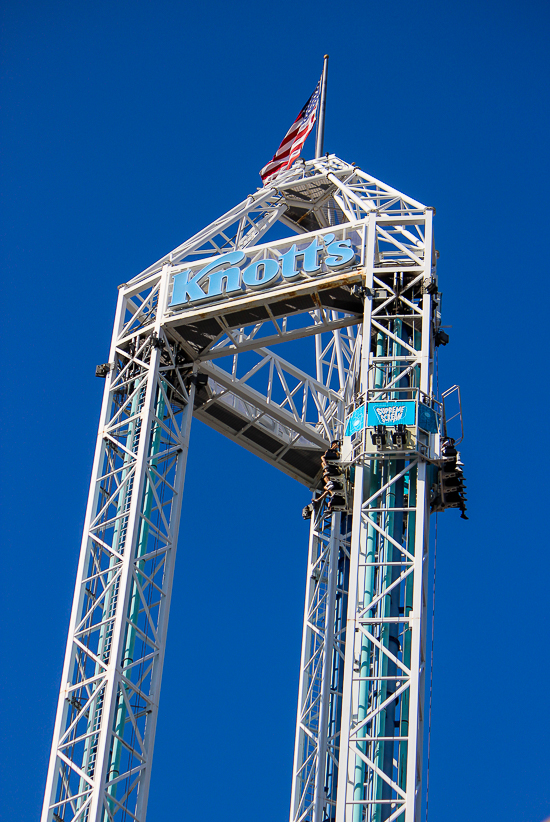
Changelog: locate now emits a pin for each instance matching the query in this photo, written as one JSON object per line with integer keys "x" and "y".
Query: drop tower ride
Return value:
{"x": 316, "y": 353}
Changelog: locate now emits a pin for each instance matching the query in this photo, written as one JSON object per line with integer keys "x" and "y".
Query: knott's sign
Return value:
{"x": 263, "y": 268}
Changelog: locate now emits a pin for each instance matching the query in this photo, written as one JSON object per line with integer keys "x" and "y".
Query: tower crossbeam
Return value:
{"x": 352, "y": 302}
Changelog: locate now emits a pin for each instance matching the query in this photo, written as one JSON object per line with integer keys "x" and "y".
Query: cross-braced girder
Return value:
{"x": 279, "y": 370}
{"x": 101, "y": 758}
{"x": 311, "y": 195}
{"x": 320, "y": 688}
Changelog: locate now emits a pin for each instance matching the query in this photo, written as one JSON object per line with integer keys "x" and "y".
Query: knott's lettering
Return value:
{"x": 226, "y": 276}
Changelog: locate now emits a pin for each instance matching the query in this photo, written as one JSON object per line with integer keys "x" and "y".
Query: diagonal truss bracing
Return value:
{"x": 380, "y": 764}
{"x": 101, "y": 758}
{"x": 320, "y": 687}
{"x": 278, "y": 370}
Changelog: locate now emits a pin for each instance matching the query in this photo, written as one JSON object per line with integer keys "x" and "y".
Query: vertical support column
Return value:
{"x": 417, "y": 630}
{"x": 319, "y": 797}
{"x": 347, "y": 763}
{"x": 317, "y": 722}
{"x": 81, "y": 795}
{"x": 104, "y": 733}
{"x": 113, "y": 670}
{"x": 418, "y": 615}
{"x": 358, "y": 540}
{"x": 162, "y": 625}
{"x": 380, "y": 773}
{"x": 301, "y": 780}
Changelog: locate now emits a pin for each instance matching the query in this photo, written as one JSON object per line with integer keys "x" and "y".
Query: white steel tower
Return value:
{"x": 196, "y": 334}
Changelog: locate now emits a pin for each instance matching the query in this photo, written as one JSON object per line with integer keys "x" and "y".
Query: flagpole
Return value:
{"x": 320, "y": 136}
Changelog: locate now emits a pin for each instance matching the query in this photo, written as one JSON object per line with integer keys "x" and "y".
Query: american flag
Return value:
{"x": 290, "y": 148}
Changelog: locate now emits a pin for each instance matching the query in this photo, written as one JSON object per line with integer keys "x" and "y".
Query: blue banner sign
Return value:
{"x": 356, "y": 421}
{"x": 392, "y": 413}
{"x": 228, "y": 275}
{"x": 427, "y": 419}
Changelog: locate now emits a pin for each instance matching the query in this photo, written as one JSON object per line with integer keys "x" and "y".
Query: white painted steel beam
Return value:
{"x": 358, "y": 749}
{"x": 102, "y": 750}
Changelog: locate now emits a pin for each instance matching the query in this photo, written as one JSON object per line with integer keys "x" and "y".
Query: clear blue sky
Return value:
{"x": 126, "y": 127}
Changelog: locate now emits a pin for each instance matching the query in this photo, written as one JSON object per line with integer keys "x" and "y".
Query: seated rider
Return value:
{"x": 331, "y": 455}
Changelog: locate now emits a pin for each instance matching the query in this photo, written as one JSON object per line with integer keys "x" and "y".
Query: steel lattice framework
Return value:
{"x": 358, "y": 752}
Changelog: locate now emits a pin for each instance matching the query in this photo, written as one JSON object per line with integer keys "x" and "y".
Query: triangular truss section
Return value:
{"x": 311, "y": 195}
